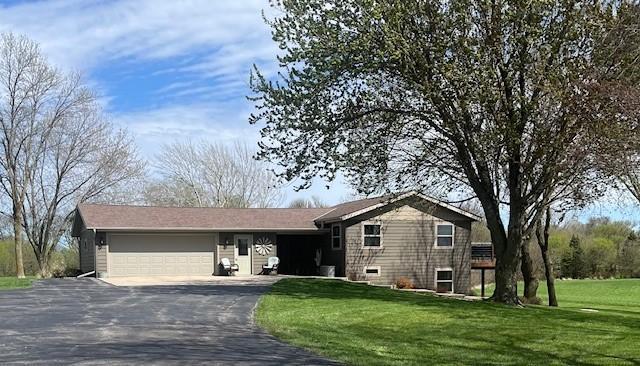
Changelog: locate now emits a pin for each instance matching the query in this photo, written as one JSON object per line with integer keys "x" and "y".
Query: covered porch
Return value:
{"x": 303, "y": 254}
{"x": 299, "y": 253}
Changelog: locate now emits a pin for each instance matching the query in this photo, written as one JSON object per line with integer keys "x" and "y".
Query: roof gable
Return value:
{"x": 352, "y": 209}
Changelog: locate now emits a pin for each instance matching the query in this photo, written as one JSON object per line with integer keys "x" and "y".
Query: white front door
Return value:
{"x": 243, "y": 253}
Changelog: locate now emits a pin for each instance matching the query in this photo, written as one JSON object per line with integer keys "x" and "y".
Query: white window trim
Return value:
{"x": 372, "y": 274}
{"x": 435, "y": 278}
{"x": 435, "y": 236}
{"x": 339, "y": 236}
{"x": 362, "y": 234}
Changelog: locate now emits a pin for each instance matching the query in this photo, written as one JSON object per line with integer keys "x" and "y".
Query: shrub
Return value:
{"x": 404, "y": 282}
{"x": 62, "y": 272}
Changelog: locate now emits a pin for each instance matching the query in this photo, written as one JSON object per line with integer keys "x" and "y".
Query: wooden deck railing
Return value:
{"x": 482, "y": 256}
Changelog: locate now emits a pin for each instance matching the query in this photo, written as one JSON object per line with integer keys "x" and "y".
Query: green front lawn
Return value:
{"x": 365, "y": 325}
{"x": 622, "y": 295}
{"x": 8, "y": 283}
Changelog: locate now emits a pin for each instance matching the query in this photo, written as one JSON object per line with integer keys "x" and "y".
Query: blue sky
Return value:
{"x": 174, "y": 70}
{"x": 164, "y": 70}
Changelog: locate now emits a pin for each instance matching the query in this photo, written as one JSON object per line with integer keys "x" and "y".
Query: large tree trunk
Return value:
{"x": 43, "y": 263}
{"x": 17, "y": 241}
{"x": 528, "y": 275}
{"x": 542, "y": 234}
{"x": 508, "y": 247}
{"x": 506, "y": 274}
{"x": 506, "y": 282}
{"x": 548, "y": 271}
{"x": 507, "y": 252}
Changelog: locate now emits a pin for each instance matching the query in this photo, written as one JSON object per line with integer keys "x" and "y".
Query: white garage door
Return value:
{"x": 160, "y": 255}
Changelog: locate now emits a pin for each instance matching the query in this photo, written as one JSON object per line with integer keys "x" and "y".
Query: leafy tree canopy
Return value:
{"x": 506, "y": 100}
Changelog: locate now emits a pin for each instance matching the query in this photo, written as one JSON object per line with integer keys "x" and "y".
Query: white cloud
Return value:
{"x": 209, "y": 47}
{"x": 201, "y": 49}
{"x": 154, "y": 127}
{"x": 82, "y": 33}
{"x": 203, "y": 39}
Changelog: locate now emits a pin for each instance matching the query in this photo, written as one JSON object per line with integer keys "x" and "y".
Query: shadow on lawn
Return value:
{"x": 503, "y": 329}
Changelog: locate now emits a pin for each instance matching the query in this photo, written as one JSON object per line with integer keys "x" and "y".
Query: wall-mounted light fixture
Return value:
{"x": 101, "y": 239}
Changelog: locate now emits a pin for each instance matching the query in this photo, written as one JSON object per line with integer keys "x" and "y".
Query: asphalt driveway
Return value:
{"x": 86, "y": 321}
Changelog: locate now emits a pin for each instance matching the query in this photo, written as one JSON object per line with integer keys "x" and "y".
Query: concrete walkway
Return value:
{"x": 87, "y": 321}
{"x": 192, "y": 280}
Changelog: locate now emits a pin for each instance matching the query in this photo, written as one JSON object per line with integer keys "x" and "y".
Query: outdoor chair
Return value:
{"x": 228, "y": 268}
{"x": 271, "y": 266}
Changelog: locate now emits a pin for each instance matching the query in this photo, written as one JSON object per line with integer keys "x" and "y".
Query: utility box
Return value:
{"x": 328, "y": 271}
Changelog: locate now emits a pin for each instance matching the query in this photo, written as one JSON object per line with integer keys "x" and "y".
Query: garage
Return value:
{"x": 161, "y": 254}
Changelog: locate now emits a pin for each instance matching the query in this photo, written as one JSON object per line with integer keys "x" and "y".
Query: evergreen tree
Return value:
{"x": 573, "y": 264}
{"x": 629, "y": 257}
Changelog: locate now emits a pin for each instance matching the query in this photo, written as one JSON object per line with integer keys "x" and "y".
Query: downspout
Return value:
{"x": 80, "y": 251}
{"x": 95, "y": 253}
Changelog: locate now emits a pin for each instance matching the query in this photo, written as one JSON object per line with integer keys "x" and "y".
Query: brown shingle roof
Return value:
{"x": 120, "y": 217}
{"x": 346, "y": 208}
{"x": 190, "y": 218}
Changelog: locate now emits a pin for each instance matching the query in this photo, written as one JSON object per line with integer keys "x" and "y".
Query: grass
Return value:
{"x": 9, "y": 283}
{"x": 364, "y": 325}
{"x": 621, "y": 295}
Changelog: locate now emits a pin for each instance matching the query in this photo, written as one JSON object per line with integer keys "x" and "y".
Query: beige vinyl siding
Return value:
{"x": 225, "y": 250}
{"x": 101, "y": 258}
{"x": 87, "y": 250}
{"x": 257, "y": 260}
{"x": 408, "y": 236}
{"x": 405, "y": 213}
{"x": 260, "y": 260}
{"x": 334, "y": 257}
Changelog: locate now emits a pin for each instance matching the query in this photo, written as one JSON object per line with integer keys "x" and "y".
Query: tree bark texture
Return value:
{"x": 531, "y": 282}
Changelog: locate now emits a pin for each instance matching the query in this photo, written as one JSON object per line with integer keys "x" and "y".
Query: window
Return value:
{"x": 372, "y": 271}
{"x": 336, "y": 237}
{"x": 444, "y": 280}
{"x": 243, "y": 247}
{"x": 371, "y": 235}
{"x": 444, "y": 235}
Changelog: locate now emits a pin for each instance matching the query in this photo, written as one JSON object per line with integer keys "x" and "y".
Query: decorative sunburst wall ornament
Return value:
{"x": 263, "y": 246}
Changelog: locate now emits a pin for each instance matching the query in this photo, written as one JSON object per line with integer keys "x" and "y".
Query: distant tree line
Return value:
{"x": 601, "y": 248}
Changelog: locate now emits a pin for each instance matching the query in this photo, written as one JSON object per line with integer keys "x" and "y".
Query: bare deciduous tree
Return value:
{"x": 212, "y": 175}
{"x": 313, "y": 202}
{"x": 58, "y": 149}
{"x": 84, "y": 159}
{"x": 35, "y": 98}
